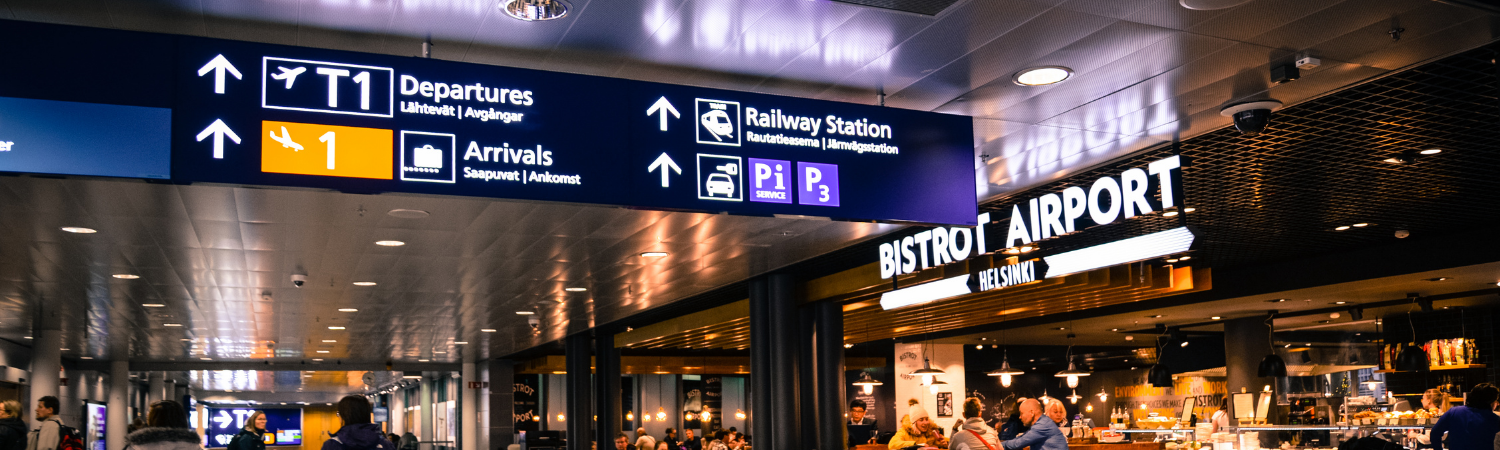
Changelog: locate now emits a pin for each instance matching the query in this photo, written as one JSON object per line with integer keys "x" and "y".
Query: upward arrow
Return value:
{"x": 664, "y": 107}
{"x": 218, "y": 129}
{"x": 666, "y": 164}
{"x": 218, "y": 65}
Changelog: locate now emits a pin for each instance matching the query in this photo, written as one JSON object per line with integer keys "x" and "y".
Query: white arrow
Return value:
{"x": 218, "y": 65}
{"x": 665, "y": 107}
{"x": 664, "y": 162}
{"x": 218, "y": 129}
{"x": 223, "y": 419}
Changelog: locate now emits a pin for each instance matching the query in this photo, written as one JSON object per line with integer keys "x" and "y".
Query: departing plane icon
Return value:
{"x": 286, "y": 139}
{"x": 290, "y": 75}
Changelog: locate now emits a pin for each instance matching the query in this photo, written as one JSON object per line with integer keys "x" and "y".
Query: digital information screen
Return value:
{"x": 71, "y": 138}
{"x": 256, "y": 114}
{"x": 96, "y": 415}
{"x": 283, "y": 425}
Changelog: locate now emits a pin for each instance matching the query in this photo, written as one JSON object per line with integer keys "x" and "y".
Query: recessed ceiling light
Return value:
{"x": 424, "y": 360}
{"x": 1185, "y": 258}
{"x": 1188, "y": 210}
{"x": 126, "y": 276}
{"x": 186, "y": 340}
{"x": 318, "y": 360}
{"x": 1431, "y": 151}
{"x": 80, "y": 230}
{"x": 322, "y": 351}
{"x": 1439, "y": 279}
{"x": 1114, "y": 329}
{"x": 335, "y": 328}
{"x": 525, "y": 313}
{"x": 206, "y": 359}
{"x": 348, "y": 309}
{"x": 364, "y": 283}
{"x": 1276, "y": 300}
{"x": 1155, "y": 316}
{"x": 1361, "y": 225}
{"x": 1339, "y": 303}
{"x": 1172, "y": 260}
{"x": 1341, "y": 228}
{"x": 1042, "y": 76}
{"x": 171, "y": 324}
{"x": 487, "y": 330}
{"x": 653, "y": 254}
{"x": 330, "y": 341}
{"x": 575, "y": 289}
{"x": 28, "y": 337}
{"x": 1394, "y": 160}
{"x": 535, "y": 10}
{"x": 1215, "y": 318}
{"x": 1169, "y": 214}
{"x": 390, "y": 243}
{"x": 85, "y": 357}
{"x": 460, "y": 342}
{"x": 64, "y": 349}
{"x": 439, "y": 353}
{"x": 407, "y": 213}
{"x": 1060, "y": 328}
{"x": 153, "y": 305}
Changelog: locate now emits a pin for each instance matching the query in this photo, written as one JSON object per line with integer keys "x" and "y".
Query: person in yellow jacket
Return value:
{"x": 918, "y": 431}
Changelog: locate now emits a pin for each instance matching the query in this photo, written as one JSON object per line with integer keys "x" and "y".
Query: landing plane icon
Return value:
{"x": 286, "y": 139}
{"x": 290, "y": 75}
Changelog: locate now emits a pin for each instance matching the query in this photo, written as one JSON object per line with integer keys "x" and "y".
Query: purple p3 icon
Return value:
{"x": 770, "y": 180}
{"x": 818, "y": 183}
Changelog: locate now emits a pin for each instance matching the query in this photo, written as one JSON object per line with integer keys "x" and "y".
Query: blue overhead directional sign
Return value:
{"x": 256, "y": 114}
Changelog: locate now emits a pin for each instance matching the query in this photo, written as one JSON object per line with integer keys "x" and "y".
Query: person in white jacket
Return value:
{"x": 975, "y": 434}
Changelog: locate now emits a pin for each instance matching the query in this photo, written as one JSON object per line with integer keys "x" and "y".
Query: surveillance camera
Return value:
{"x": 299, "y": 279}
{"x": 1251, "y": 118}
{"x": 535, "y": 322}
{"x": 1402, "y": 234}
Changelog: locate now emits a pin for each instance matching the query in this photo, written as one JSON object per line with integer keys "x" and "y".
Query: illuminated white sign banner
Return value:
{"x": 1139, "y": 248}
{"x": 924, "y": 293}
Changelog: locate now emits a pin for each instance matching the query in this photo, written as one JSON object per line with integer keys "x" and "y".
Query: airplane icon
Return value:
{"x": 290, "y": 75}
{"x": 286, "y": 139}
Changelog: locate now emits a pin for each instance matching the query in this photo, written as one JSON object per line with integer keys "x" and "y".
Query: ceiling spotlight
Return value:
{"x": 848, "y": 345}
{"x": 1169, "y": 214}
{"x": 322, "y": 351}
{"x": 1173, "y": 260}
{"x": 1431, "y": 151}
{"x": 1114, "y": 329}
{"x": 535, "y": 10}
{"x": 1341, "y": 228}
{"x": 1215, "y": 318}
{"x": 335, "y": 328}
{"x": 1042, "y": 76}
{"x": 390, "y": 243}
{"x": 1395, "y": 160}
{"x": 171, "y": 324}
{"x": 424, "y": 360}
{"x": 1185, "y": 258}
{"x": 364, "y": 283}
{"x": 318, "y": 359}
{"x": 348, "y": 310}
{"x": 153, "y": 305}
{"x": 460, "y": 342}
{"x": 1189, "y": 210}
{"x": 653, "y": 254}
{"x": 80, "y": 230}
{"x": 1361, "y": 225}
{"x": 525, "y": 313}
{"x": 1429, "y": 279}
{"x": 1155, "y": 316}
{"x": 487, "y": 330}
{"x": 1060, "y": 328}
{"x": 575, "y": 289}
{"x": 330, "y": 341}
{"x": 1276, "y": 300}
{"x": 126, "y": 276}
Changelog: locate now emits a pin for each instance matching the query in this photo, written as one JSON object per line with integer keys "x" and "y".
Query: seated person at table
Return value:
{"x": 975, "y": 434}
{"x": 1044, "y": 434}
{"x": 860, "y": 426}
{"x": 921, "y": 431}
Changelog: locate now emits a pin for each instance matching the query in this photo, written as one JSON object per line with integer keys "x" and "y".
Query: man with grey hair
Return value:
{"x": 1044, "y": 434}
{"x": 644, "y": 441}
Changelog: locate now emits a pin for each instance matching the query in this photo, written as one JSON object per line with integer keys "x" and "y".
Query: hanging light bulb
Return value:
{"x": 707, "y": 415}
{"x": 1103, "y": 397}
{"x": 1005, "y": 380}
{"x": 629, "y": 416}
{"x": 739, "y": 414}
{"x": 645, "y": 418}
{"x": 936, "y": 385}
{"x": 561, "y": 417}
{"x": 1072, "y": 381}
{"x": 1005, "y": 372}
{"x": 1089, "y": 408}
{"x": 926, "y": 380}
{"x": 661, "y": 414}
{"x": 1072, "y": 373}
{"x": 867, "y": 383}
{"x": 1074, "y": 398}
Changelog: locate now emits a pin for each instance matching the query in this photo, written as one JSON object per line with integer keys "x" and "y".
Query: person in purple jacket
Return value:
{"x": 1472, "y": 426}
{"x": 358, "y": 433}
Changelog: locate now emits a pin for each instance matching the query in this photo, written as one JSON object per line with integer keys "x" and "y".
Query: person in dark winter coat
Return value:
{"x": 12, "y": 428}
{"x": 166, "y": 429}
{"x": 253, "y": 436}
{"x": 358, "y": 433}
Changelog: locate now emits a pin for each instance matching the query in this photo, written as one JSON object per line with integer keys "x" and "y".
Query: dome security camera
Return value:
{"x": 299, "y": 279}
{"x": 535, "y": 322}
{"x": 1251, "y": 118}
{"x": 1402, "y": 234}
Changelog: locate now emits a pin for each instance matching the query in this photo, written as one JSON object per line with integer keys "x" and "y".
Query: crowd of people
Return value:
{"x": 729, "y": 439}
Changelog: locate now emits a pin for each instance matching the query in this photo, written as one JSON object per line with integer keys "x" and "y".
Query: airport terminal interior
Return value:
{"x": 736, "y": 224}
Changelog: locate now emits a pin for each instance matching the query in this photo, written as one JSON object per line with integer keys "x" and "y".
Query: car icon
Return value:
{"x": 718, "y": 123}
{"x": 720, "y": 184}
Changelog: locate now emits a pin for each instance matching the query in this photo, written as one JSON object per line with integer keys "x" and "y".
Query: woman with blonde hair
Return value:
{"x": 12, "y": 428}
{"x": 253, "y": 436}
{"x": 1431, "y": 399}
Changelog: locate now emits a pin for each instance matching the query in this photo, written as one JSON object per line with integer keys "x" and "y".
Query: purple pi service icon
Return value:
{"x": 818, "y": 183}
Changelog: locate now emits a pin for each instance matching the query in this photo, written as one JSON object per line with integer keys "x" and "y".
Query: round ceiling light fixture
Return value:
{"x": 126, "y": 276}
{"x": 80, "y": 230}
{"x": 535, "y": 10}
{"x": 389, "y": 243}
{"x": 1430, "y": 151}
{"x": 407, "y": 213}
{"x": 1042, "y": 76}
{"x": 1209, "y": 5}
{"x": 365, "y": 283}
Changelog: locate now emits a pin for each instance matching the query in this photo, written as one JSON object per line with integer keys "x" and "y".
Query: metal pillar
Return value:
{"x": 579, "y": 401}
{"x": 760, "y": 363}
{"x": 607, "y": 388}
{"x": 829, "y": 343}
{"x": 468, "y": 403}
{"x": 502, "y": 403}
{"x": 785, "y": 428}
{"x": 119, "y": 391}
{"x": 428, "y": 435}
{"x": 1246, "y": 342}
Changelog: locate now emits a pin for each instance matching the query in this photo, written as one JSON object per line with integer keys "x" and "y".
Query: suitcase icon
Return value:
{"x": 428, "y": 157}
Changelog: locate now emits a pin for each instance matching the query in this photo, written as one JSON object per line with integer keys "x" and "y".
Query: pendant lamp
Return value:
{"x": 1005, "y": 372}
{"x": 867, "y": 383}
{"x": 936, "y": 386}
{"x": 1159, "y": 376}
{"x": 1074, "y": 398}
{"x": 1271, "y": 365}
{"x": 1072, "y": 373}
{"x": 1103, "y": 396}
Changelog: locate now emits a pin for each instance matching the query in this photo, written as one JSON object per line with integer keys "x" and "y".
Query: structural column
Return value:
{"x": 829, "y": 345}
{"x": 398, "y": 411}
{"x": 785, "y": 429}
{"x": 1246, "y": 342}
{"x": 579, "y": 400}
{"x": 760, "y": 363}
{"x": 426, "y": 401}
{"x": 46, "y": 354}
{"x": 468, "y": 404}
{"x": 155, "y": 385}
{"x": 118, "y": 404}
{"x": 607, "y": 388}
{"x": 502, "y": 403}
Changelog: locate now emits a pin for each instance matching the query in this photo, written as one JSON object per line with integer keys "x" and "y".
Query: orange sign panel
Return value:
{"x": 326, "y": 150}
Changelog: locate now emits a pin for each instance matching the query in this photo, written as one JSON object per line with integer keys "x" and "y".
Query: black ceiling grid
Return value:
{"x": 1321, "y": 165}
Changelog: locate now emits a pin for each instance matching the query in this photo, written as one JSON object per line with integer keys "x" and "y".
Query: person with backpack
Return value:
{"x": 48, "y": 434}
{"x": 358, "y": 433}
{"x": 12, "y": 428}
{"x": 253, "y": 436}
{"x": 166, "y": 429}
